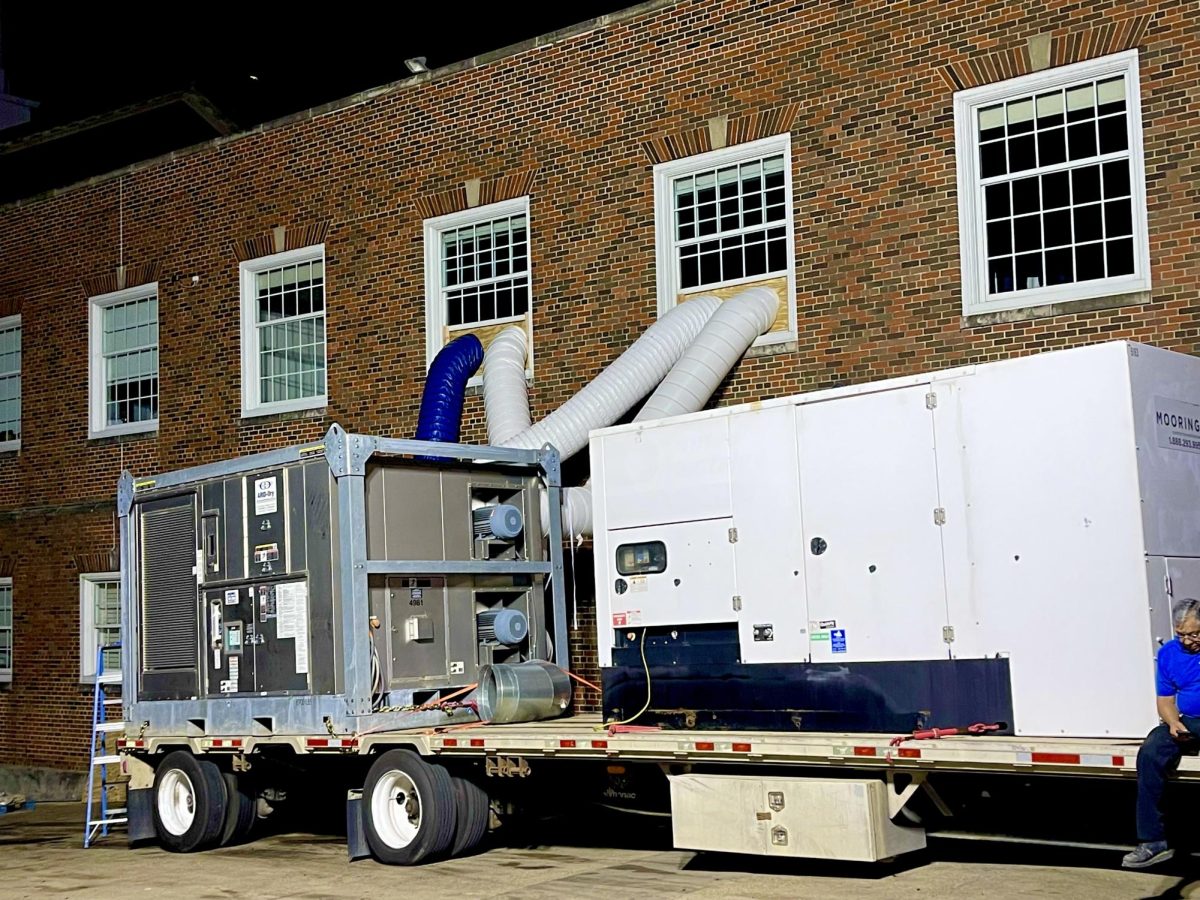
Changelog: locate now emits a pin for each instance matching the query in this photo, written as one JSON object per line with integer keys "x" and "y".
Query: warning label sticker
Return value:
{"x": 627, "y": 618}
{"x": 231, "y": 597}
{"x": 837, "y": 640}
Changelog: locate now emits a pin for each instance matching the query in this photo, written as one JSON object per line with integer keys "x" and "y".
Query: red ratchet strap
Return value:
{"x": 633, "y": 729}
{"x": 935, "y": 733}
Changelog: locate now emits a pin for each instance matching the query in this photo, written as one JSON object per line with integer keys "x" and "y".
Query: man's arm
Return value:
{"x": 1168, "y": 711}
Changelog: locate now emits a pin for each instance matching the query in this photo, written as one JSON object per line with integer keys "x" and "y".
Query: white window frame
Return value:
{"x": 88, "y": 643}
{"x": 7, "y": 673}
{"x": 6, "y": 323}
{"x": 666, "y": 257}
{"x": 247, "y": 272}
{"x": 972, "y": 233}
{"x": 435, "y": 302}
{"x": 97, "y": 377}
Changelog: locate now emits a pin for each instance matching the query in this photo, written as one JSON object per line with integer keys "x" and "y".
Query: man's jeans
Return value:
{"x": 1156, "y": 760}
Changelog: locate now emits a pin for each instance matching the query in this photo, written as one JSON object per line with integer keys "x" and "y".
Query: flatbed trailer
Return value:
{"x": 814, "y": 794}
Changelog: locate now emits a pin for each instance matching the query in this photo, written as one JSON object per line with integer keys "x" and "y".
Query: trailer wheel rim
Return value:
{"x": 176, "y": 802}
{"x": 396, "y": 809}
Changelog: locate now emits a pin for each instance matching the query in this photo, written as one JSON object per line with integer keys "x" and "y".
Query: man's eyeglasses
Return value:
{"x": 1191, "y": 637}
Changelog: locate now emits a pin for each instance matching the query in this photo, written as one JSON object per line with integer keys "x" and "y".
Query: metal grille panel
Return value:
{"x": 169, "y": 605}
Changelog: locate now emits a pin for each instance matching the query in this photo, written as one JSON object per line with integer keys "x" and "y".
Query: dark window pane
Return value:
{"x": 1089, "y": 262}
{"x": 1049, "y": 110}
{"x": 1114, "y": 135}
{"x": 1118, "y": 218}
{"x": 776, "y": 250}
{"x": 1081, "y": 103}
{"x": 454, "y": 310}
{"x": 1056, "y": 190}
{"x": 1056, "y": 226}
{"x": 991, "y": 160}
{"x": 1029, "y": 271}
{"x": 991, "y": 123}
{"x": 1082, "y": 140}
{"x": 731, "y": 263}
{"x": 318, "y": 298}
{"x": 1058, "y": 266}
{"x": 774, "y": 178}
{"x": 1021, "y": 153}
{"x": 1027, "y": 233}
{"x": 1052, "y": 147}
{"x": 520, "y": 300}
{"x": 729, "y": 223}
{"x": 710, "y": 268}
{"x": 689, "y": 272}
{"x": 729, "y": 207}
{"x": 1087, "y": 223}
{"x": 1000, "y": 277}
{"x": 1085, "y": 184}
{"x": 706, "y": 195}
{"x": 1020, "y": 116}
{"x": 708, "y": 225}
{"x": 752, "y": 216}
{"x": 471, "y": 308}
{"x": 1111, "y": 95}
{"x": 756, "y": 256}
{"x": 487, "y": 305}
{"x": 1120, "y": 257}
{"x": 504, "y": 303}
{"x": 1025, "y": 196}
{"x": 999, "y": 237}
{"x": 996, "y": 197}
{"x": 1116, "y": 179}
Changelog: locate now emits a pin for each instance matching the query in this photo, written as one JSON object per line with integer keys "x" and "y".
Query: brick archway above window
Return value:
{"x": 720, "y": 132}
{"x": 280, "y": 239}
{"x": 1046, "y": 51}
{"x": 98, "y": 561}
{"x": 476, "y": 192}
{"x": 120, "y": 278}
{"x": 8, "y": 565}
{"x": 10, "y": 305}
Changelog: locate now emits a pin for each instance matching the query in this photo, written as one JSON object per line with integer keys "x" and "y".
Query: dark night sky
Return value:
{"x": 79, "y": 60}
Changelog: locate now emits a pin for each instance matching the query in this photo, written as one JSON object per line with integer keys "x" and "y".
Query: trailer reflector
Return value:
{"x": 449, "y": 742}
{"x": 864, "y": 751}
{"x": 567, "y": 743}
{"x": 705, "y": 745}
{"x": 1053, "y": 758}
{"x": 476, "y": 742}
{"x": 741, "y": 748}
{"x": 599, "y": 745}
{"x": 314, "y": 743}
{"x": 909, "y": 753}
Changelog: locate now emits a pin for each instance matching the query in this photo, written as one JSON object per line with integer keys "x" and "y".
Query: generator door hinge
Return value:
{"x": 1167, "y": 586}
{"x": 948, "y": 634}
{"x": 733, "y": 535}
{"x": 939, "y": 516}
{"x": 737, "y": 603}
{"x": 931, "y": 400}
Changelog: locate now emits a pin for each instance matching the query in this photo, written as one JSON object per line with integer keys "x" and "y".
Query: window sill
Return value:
{"x": 1065, "y": 308}
{"x": 775, "y": 348}
{"x": 10, "y": 449}
{"x": 284, "y": 415}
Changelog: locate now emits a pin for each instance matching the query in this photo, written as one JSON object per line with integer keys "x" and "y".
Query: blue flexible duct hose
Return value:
{"x": 442, "y": 401}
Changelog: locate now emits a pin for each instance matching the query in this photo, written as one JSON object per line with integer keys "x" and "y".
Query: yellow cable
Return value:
{"x": 646, "y": 705}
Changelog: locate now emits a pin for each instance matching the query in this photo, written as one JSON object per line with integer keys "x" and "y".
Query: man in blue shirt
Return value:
{"x": 1178, "y": 689}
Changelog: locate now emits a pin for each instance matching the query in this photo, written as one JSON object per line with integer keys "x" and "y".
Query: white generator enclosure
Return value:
{"x": 1036, "y": 515}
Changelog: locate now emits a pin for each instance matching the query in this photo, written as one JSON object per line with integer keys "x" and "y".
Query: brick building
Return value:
{"x": 927, "y": 183}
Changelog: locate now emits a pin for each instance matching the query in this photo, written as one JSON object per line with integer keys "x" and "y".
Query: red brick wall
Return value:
{"x": 875, "y": 225}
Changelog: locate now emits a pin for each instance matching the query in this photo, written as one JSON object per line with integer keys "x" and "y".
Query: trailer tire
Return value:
{"x": 408, "y": 808}
{"x": 472, "y": 811}
{"x": 189, "y": 802}
{"x": 240, "y": 808}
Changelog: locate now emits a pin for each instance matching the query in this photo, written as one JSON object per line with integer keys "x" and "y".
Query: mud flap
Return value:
{"x": 140, "y": 802}
{"x": 356, "y": 838}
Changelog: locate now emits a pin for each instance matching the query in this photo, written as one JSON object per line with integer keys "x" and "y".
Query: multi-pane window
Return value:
{"x": 1055, "y": 193}
{"x": 730, "y": 222}
{"x": 477, "y": 272}
{"x": 283, "y": 364}
{"x": 99, "y": 625}
{"x": 485, "y": 270}
{"x": 6, "y": 629}
{"x": 10, "y": 382}
{"x": 724, "y": 221}
{"x": 124, "y": 361}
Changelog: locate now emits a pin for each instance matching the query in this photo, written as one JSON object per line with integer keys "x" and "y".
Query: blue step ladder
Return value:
{"x": 105, "y": 697}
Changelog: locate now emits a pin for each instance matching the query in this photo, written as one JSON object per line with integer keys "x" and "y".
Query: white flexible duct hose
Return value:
{"x": 725, "y": 338}
{"x": 629, "y": 378}
{"x": 505, "y": 395}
